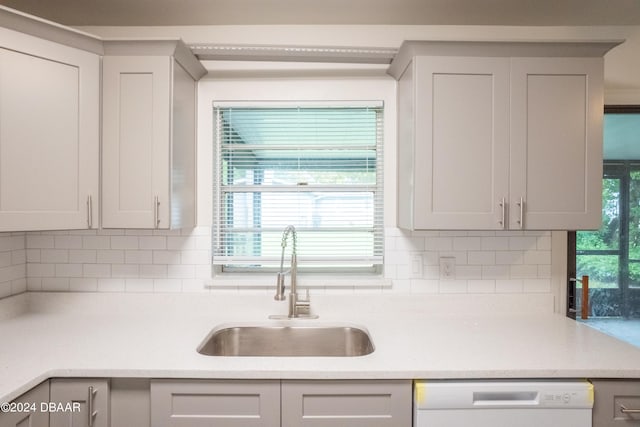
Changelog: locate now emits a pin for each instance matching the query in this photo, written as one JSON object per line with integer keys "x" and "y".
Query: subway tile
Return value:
{"x": 124, "y": 242}
{"x": 19, "y": 256}
{"x": 111, "y": 285}
{"x": 460, "y": 256}
{"x": 96, "y": 270}
{"x": 33, "y": 255}
{"x": 453, "y": 286}
{"x": 18, "y": 286}
{"x": 523, "y": 271}
{"x": 544, "y": 243}
{"x": 166, "y": 257}
{"x": 92, "y": 232}
{"x": 34, "y": 284}
{"x": 414, "y": 244}
{"x": 153, "y": 271}
{"x": 495, "y": 272}
{"x": 467, "y": 243}
{"x": 138, "y": 257}
{"x": 522, "y": 243}
{"x": 125, "y": 270}
{"x": 544, "y": 271}
{"x": 390, "y": 271}
{"x": 181, "y": 242}
{"x": 110, "y": 256}
{"x": 496, "y": 243}
{"x": 5, "y": 289}
{"x": 68, "y": 242}
{"x": 69, "y": 270}
{"x": 203, "y": 271}
{"x": 195, "y": 257}
{"x": 40, "y": 270}
{"x": 509, "y": 257}
{"x": 453, "y": 233}
{"x": 6, "y": 244}
{"x": 40, "y": 242}
{"x": 82, "y": 256}
{"x": 138, "y": 232}
{"x": 202, "y": 242}
{"x": 537, "y": 285}
{"x": 138, "y": 285}
{"x": 57, "y": 284}
{"x": 159, "y": 232}
{"x": 537, "y": 257}
{"x": 508, "y": 286}
{"x": 438, "y": 243}
{"x": 5, "y": 259}
{"x": 481, "y": 258}
{"x": 468, "y": 272}
{"x": 110, "y": 232}
{"x": 193, "y": 285}
{"x": 96, "y": 242}
{"x": 180, "y": 272}
{"x": 85, "y": 284}
{"x": 481, "y": 286}
{"x": 53, "y": 256}
{"x": 167, "y": 285}
{"x": 423, "y": 286}
{"x": 152, "y": 242}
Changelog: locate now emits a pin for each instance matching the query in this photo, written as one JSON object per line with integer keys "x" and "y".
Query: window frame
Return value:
{"x": 378, "y": 194}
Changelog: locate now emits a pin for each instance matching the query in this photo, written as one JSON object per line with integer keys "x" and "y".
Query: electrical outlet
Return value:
{"x": 447, "y": 267}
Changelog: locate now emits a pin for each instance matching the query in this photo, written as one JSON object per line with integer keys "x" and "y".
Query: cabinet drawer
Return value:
{"x": 346, "y": 403}
{"x": 199, "y": 403}
{"x": 616, "y": 402}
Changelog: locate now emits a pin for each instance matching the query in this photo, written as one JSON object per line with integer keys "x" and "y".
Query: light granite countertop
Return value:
{"x": 47, "y": 335}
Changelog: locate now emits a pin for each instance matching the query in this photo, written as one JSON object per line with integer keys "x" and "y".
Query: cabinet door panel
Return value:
{"x": 346, "y": 403}
{"x": 461, "y": 142}
{"x": 49, "y": 130}
{"x": 76, "y": 391}
{"x": 36, "y": 418}
{"x": 135, "y": 147}
{"x": 611, "y": 396}
{"x": 556, "y": 142}
{"x": 200, "y": 403}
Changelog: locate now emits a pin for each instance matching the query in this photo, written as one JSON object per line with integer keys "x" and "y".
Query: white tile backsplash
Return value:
{"x": 486, "y": 262}
{"x": 13, "y": 264}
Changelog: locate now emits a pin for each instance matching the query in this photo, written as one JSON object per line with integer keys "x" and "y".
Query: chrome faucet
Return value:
{"x": 297, "y": 307}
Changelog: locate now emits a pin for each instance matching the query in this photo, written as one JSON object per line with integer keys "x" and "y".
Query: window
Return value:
{"x": 611, "y": 255}
{"x": 316, "y": 167}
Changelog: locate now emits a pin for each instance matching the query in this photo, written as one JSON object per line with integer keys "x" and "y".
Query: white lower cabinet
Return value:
{"x": 349, "y": 403}
{"x": 274, "y": 403}
{"x": 88, "y": 399}
{"x": 616, "y": 403}
{"x": 26, "y": 410}
{"x": 220, "y": 403}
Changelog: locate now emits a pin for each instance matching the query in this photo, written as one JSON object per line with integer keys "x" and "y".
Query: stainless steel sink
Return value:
{"x": 287, "y": 340}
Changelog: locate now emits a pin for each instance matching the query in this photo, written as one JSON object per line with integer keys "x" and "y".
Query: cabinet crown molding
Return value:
{"x": 568, "y": 48}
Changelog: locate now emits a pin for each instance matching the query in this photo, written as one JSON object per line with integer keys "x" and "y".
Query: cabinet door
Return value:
{"x": 617, "y": 403}
{"x": 556, "y": 143}
{"x": 200, "y": 403}
{"x": 49, "y": 134}
{"x": 135, "y": 145}
{"x": 461, "y": 146}
{"x": 88, "y": 400}
{"x": 34, "y": 416}
{"x": 346, "y": 403}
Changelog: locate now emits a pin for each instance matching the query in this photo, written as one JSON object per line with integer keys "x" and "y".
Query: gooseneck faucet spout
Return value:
{"x": 297, "y": 307}
{"x": 289, "y": 230}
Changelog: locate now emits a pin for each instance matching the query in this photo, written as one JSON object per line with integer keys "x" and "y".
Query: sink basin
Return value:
{"x": 287, "y": 340}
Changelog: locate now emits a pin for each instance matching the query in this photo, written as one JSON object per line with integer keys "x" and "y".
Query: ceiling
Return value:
{"x": 362, "y": 12}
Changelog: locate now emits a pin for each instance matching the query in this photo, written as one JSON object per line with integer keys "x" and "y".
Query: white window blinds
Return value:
{"x": 317, "y": 168}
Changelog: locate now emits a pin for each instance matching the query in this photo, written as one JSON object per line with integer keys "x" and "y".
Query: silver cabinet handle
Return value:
{"x": 92, "y": 413}
{"x": 89, "y": 212}
{"x": 624, "y": 410}
{"x": 521, "y": 205}
{"x": 503, "y": 206}
{"x": 156, "y": 212}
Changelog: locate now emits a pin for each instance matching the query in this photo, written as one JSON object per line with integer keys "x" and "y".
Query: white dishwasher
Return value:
{"x": 444, "y": 403}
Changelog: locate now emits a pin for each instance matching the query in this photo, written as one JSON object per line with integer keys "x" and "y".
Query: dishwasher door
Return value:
{"x": 503, "y": 403}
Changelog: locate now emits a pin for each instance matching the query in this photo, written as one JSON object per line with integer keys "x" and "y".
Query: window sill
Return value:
{"x": 257, "y": 281}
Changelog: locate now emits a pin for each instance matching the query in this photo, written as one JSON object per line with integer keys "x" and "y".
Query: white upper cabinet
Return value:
{"x": 49, "y": 130}
{"x": 496, "y": 136}
{"x": 148, "y": 145}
